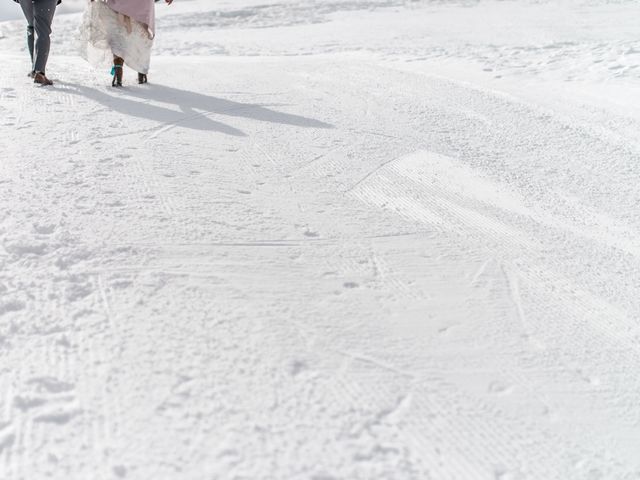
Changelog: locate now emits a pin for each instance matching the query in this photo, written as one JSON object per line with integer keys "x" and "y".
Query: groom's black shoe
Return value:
{"x": 41, "y": 79}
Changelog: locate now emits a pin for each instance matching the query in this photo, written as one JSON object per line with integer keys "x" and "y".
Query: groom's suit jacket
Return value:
{"x": 18, "y": 1}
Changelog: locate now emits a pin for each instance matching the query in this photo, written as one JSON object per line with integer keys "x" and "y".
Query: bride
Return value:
{"x": 118, "y": 32}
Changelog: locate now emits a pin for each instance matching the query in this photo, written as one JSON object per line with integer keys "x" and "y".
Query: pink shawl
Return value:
{"x": 142, "y": 11}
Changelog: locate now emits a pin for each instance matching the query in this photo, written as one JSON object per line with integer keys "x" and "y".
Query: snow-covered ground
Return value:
{"x": 346, "y": 239}
{"x": 11, "y": 11}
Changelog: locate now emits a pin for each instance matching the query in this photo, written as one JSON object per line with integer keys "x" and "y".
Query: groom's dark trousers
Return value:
{"x": 39, "y": 15}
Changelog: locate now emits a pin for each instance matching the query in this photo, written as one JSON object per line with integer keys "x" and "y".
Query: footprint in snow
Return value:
{"x": 25, "y": 247}
{"x": 75, "y": 291}
{"x": 58, "y": 416}
{"x": 63, "y": 341}
{"x": 11, "y": 306}
{"x": 120, "y": 471}
{"x": 48, "y": 400}
{"x": 25, "y": 403}
{"x": 50, "y": 385}
{"x": 297, "y": 367}
{"x": 44, "y": 229}
{"x": 499, "y": 388}
{"x": 121, "y": 284}
{"x": 6, "y": 441}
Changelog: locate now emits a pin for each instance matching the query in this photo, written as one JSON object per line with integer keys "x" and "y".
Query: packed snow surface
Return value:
{"x": 340, "y": 239}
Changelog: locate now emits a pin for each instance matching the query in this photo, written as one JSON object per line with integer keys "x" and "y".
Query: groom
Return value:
{"x": 39, "y": 14}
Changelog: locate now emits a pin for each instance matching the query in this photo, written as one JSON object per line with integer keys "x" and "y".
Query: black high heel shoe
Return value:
{"x": 142, "y": 78}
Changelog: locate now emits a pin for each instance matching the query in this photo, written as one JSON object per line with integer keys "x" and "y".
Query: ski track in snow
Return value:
{"x": 330, "y": 240}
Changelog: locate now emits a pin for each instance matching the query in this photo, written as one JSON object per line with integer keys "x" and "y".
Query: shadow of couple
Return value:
{"x": 194, "y": 111}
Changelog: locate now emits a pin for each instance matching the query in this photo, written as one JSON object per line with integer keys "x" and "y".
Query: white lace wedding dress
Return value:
{"x": 105, "y": 33}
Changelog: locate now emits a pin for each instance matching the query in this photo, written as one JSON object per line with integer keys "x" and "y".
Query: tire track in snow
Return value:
{"x": 513, "y": 241}
{"x": 514, "y": 289}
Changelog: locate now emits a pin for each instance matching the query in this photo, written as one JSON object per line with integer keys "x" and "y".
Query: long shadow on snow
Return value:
{"x": 194, "y": 108}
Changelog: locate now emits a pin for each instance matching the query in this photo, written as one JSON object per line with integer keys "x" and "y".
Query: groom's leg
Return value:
{"x": 27, "y": 9}
{"x": 43, "y": 11}
{"x": 31, "y": 40}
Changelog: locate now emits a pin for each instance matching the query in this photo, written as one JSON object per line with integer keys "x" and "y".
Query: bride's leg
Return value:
{"x": 118, "y": 66}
